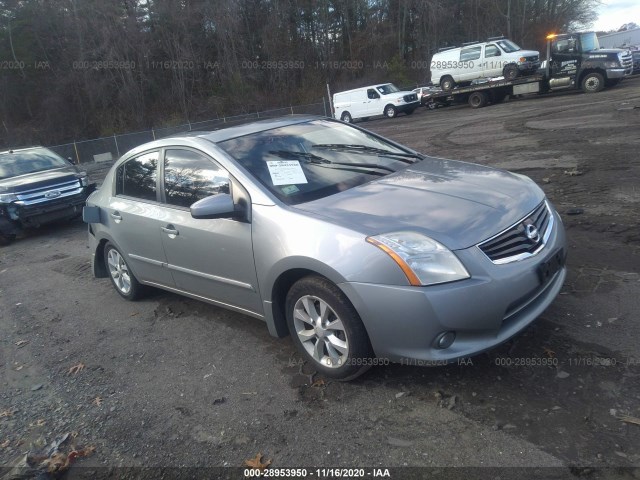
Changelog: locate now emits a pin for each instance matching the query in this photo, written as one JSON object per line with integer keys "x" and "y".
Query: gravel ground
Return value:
{"x": 170, "y": 382}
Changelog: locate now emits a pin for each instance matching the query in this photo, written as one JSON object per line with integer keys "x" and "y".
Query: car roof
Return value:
{"x": 228, "y": 133}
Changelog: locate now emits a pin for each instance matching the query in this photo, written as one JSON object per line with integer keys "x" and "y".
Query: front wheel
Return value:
{"x": 592, "y": 82}
{"x": 346, "y": 117}
{"x": 390, "y": 111}
{"x": 327, "y": 329}
{"x": 122, "y": 278}
{"x": 510, "y": 72}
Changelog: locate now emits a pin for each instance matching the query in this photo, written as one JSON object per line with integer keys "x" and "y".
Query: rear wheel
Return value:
{"x": 326, "y": 328}
{"x": 592, "y": 82}
{"x": 477, "y": 99}
{"x": 390, "y": 111}
{"x": 346, "y": 117}
{"x": 446, "y": 83}
{"x": 431, "y": 105}
{"x": 122, "y": 278}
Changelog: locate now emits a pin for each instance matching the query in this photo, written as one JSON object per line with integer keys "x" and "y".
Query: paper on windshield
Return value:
{"x": 286, "y": 172}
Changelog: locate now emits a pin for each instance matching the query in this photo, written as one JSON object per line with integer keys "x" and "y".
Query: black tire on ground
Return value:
{"x": 510, "y": 72}
{"x": 121, "y": 276}
{"x": 346, "y": 117}
{"x": 431, "y": 105}
{"x": 592, "y": 82}
{"x": 342, "y": 352}
{"x": 447, "y": 84}
{"x": 390, "y": 111}
{"x": 6, "y": 239}
{"x": 477, "y": 99}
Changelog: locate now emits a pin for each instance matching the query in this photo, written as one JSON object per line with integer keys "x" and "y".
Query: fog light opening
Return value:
{"x": 445, "y": 339}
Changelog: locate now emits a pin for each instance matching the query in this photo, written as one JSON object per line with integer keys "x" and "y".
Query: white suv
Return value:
{"x": 496, "y": 57}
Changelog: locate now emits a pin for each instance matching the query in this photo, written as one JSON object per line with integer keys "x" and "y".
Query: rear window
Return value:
{"x": 29, "y": 161}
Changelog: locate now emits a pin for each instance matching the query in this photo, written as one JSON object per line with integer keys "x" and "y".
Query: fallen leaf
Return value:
{"x": 38, "y": 423}
{"x": 21, "y": 343}
{"x": 5, "y": 444}
{"x": 548, "y": 352}
{"x": 134, "y": 314}
{"x": 318, "y": 383}
{"x": 19, "y": 367}
{"x": 74, "y": 434}
{"x": 630, "y": 419}
{"x": 97, "y": 401}
{"x": 76, "y": 369}
{"x": 7, "y": 413}
{"x": 257, "y": 462}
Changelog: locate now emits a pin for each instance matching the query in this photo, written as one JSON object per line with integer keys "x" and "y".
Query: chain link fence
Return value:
{"x": 108, "y": 149}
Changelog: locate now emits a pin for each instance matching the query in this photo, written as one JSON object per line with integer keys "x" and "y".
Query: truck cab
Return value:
{"x": 576, "y": 60}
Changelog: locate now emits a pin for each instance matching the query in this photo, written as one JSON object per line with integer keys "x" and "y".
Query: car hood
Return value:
{"x": 456, "y": 203}
{"x": 37, "y": 179}
{"x": 527, "y": 53}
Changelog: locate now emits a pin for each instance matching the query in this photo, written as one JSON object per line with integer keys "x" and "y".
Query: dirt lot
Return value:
{"x": 171, "y": 382}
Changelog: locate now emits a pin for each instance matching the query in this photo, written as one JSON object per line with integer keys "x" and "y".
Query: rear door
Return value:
{"x": 134, "y": 216}
{"x": 212, "y": 258}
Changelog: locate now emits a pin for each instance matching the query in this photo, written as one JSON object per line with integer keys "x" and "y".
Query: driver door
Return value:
{"x": 210, "y": 258}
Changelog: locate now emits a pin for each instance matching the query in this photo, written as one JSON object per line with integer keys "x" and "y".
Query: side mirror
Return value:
{"x": 215, "y": 206}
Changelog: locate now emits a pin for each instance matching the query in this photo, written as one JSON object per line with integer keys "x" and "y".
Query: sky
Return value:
{"x": 615, "y": 13}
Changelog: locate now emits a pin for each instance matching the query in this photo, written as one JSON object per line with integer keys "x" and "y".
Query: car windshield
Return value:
{"x": 508, "y": 46}
{"x": 589, "y": 42}
{"x": 387, "y": 89}
{"x": 306, "y": 161}
{"x": 14, "y": 164}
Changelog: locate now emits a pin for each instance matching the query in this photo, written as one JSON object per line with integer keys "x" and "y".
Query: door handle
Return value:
{"x": 116, "y": 216}
{"x": 170, "y": 230}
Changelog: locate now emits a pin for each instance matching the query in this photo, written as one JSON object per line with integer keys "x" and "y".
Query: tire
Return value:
{"x": 6, "y": 239}
{"x": 510, "y": 72}
{"x": 592, "y": 82}
{"x": 477, "y": 100}
{"x": 346, "y": 117}
{"x": 390, "y": 111}
{"x": 447, "y": 84}
{"x": 122, "y": 279}
{"x": 342, "y": 352}
{"x": 431, "y": 105}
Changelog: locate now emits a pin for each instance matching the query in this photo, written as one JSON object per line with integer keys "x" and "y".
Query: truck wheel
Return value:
{"x": 6, "y": 239}
{"x": 510, "y": 72}
{"x": 477, "y": 100}
{"x": 446, "y": 83}
{"x": 592, "y": 82}
{"x": 431, "y": 105}
{"x": 390, "y": 111}
{"x": 346, "y": 117}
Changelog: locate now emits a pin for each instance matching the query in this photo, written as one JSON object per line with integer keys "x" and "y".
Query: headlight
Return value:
{"x": 611, "y": 64}
{"x": 84, "y": 180}
{"x": 400, "y": 100}
{"x": 8, "y": 197}
{"x": 423, "y": 260}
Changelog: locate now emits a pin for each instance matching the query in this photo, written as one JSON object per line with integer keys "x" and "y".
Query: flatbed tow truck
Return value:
{"x": 574, "y": 60}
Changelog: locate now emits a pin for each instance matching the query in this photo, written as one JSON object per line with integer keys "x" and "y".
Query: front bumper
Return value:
{"x": 613, "y": 73}
{"x": 45, "y": 212}
{"x": 404, "y": 107}
{"x": 529, "y": 67}
{"x": 496, "y": 303}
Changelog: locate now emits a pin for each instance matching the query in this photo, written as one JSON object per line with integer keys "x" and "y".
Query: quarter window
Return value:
{"x": 471, "y": 53}
{"x": 137, "y": 177}
{"x": 190, "y": 176}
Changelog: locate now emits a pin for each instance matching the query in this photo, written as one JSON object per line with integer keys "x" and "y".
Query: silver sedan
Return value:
{"x": 363, "y": 250}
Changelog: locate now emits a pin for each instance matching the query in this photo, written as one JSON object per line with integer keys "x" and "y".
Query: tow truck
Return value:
{"x": 574, "y": 60}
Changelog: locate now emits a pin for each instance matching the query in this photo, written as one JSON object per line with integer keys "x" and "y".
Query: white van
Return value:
{"x": 493, "y": 58}
{"x": 385, "y": 99}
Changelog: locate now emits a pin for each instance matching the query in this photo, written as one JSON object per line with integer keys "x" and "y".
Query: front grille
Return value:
{"x": 49, "y": 193}
{"x": 515, "y": 242}
{"x": 410, "y": 98}
{"x": 626, "y": 60}
{"x": 533, "y": 58}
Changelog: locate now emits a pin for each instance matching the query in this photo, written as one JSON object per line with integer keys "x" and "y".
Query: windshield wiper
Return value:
{"x": 315, "y": 159}
{"x": 366, "y": 149}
